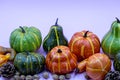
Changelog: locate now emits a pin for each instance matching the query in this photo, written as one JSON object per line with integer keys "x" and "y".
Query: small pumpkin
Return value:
{"x": 29, "y": 63}
{"x": 60, "y": 60}
{"x": 25, "y": 39}
{"x": 97, "y": 66}
{"x": 55, "y": 37}
{"x": 84, "y": 44}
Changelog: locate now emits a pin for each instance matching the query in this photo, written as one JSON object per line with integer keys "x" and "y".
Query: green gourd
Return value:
{"x": 111, "y": 41}
{"x": 25, "y": 39}
{"x": 55, "y": 37}
{"x": 116, "y": 62}
{"x": 29, "y": 63}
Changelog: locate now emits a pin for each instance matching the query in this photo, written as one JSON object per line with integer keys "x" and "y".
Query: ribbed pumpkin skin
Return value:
{"x": 61, "y": 62}
{"x": 55, "y": 37}
{"x": 116, "y": 63}
{"x": 84, "y": 46}
{"x": 111, "y": 41}
{"x": 97, "y": 66}
{"x": 29, "y": 63}
{"x": 30, "y": 40}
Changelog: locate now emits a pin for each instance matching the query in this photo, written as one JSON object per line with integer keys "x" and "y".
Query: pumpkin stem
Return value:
{"x": 85, "y": 35}
{"x": 22, "y": 29}
{"x": 56, "y": 22}
{"x": 59, "y": 51}
{"x": 118, "y": 21}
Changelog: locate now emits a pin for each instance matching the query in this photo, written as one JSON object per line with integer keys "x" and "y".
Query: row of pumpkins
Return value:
{"x": 82, "y": 52}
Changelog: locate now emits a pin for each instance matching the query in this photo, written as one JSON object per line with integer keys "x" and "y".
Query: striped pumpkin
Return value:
{"x": 111, "y": 41}
{"x": 29, "y": 63}
{"x": 60, "y": 60}
{"x": 97, "y": 66}
{"x": 55, "y": 37}
{"x": 84, "y": 44}
{"x": 25, "y": 39}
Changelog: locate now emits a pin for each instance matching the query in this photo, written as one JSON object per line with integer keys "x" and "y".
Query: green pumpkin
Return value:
{"x": 25, "y": 39}
{"x": 29, "y": 63}
{"x": 116, "y": 63}
{"x": 55, "y": 37}
{"x": 111, "y": 41}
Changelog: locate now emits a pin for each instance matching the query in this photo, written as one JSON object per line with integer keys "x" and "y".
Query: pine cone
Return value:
{"x": 7, "y": 70}
{"x": 113, "y": 75}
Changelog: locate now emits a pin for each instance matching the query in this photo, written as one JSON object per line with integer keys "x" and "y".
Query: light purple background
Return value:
{"x": 74, "y": 16}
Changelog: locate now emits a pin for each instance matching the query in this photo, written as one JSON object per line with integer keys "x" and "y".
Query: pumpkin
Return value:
{"x": 84, "y": 44}
{"x": 97, "y": 66}
{"x": 55, "y": 37}
{"x": 25, "y": 39}
{"x": 10, "y": 51}
{"x": 111, "y": 41}
{"x": 29, "y": 63}
{"x": 60, "y": 60}
{"x": 116, "y": 62}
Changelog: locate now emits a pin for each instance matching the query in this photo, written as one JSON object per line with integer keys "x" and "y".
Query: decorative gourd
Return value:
{"x": 97, "y": 66}
{"x": 25, "y": 39}
{"x": 84, "y": 44}
{"x": 4, "y": 59}
{"x": 60, "y": 60}
{"x": 11, "y": 52}
{"x": 29, "y": 63}
{"x": 55, "y": 37}
{"x": 111, "y": 41}
{"x": 116, "y": 63}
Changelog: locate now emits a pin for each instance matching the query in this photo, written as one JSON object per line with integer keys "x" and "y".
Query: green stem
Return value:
{"x": 22, "y": 29}
{"x": 118, "y": 21}
{"x": 59, "y": 51}
{"x": 56, "y": 22}
{"x": 85, "y": 35}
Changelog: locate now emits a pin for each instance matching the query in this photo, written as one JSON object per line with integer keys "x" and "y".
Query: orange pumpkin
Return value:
{"x": 84, "y": 44}
{"x": 98, "y": 65}
{"x": 60, "y": 60}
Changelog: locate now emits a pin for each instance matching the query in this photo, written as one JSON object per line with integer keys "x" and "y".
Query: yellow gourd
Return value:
{"x": 6, "y": 54}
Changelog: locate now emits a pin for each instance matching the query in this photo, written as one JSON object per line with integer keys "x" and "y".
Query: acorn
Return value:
{"x": 45, "y": 75}
{"x": 17, "y": 73}
{"x": 36, "y": 77}
{"x": 62, "y": 77}
{"x": 29, "y": 77}
{"x": 16, "y": 77}
{"x": 55, "y": 77}
{"x": 22, "y": 77}
{"x": 68, "y": 76}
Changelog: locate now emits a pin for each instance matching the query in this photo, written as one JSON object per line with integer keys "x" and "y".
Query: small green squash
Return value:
{"x": 116, "y": 63}
{"x": 111, "y": 41}
{"x": 25, "y": 39}
{"x": 29, "y": 63}
{"x": 55, "y": 37}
